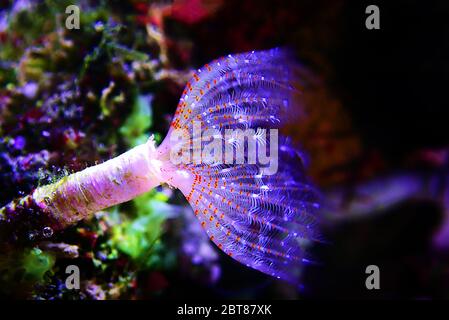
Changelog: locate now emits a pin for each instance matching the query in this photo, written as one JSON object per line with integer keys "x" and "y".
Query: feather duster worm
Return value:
{"x": 263, "y": 219}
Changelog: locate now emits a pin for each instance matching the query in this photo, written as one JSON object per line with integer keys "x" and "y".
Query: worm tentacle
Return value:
{"x": 265, "y": 221}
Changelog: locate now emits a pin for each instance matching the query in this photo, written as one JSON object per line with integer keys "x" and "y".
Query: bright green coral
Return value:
{"x": 138, "y": 237}
{"x": 37, "y": 263}
{"x": 138, "y": 122}
{"x": 25, "y": 268}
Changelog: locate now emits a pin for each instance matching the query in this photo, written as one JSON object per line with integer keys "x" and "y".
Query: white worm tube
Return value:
{"x": 118, "y": 180}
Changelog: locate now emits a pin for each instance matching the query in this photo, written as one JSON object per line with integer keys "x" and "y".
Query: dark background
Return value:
{"x": 392, "y": 80}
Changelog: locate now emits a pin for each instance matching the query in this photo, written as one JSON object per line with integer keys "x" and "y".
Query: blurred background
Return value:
{"x": 373, "y": 131}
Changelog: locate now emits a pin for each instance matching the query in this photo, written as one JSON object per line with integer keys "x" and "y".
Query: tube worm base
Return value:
{"x": 83, "y": 193}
